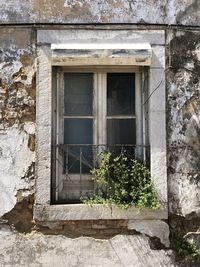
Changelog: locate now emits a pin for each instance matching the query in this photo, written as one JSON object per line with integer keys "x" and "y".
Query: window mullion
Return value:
{"x": 59, "y": 130}
{"x": 145, "y": 114}
{"x": 102, "y": 100}
{"x": 60, "y": 93}
{"x": 95, "y": 109}
{"x": 139, "y": 118}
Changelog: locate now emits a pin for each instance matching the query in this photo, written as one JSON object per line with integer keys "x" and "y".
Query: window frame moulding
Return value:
{"x": 53, "y": 52}
{"x": 117, "y": 54}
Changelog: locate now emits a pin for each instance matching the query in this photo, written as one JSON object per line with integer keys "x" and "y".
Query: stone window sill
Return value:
{"x": 95, "y": 212}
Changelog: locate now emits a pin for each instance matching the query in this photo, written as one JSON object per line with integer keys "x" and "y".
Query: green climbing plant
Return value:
{"x": 186, "y": 251}
{"x": 124, "y": 182}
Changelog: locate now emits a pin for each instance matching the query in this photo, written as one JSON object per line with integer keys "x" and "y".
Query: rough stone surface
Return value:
{"x": 17, "y": 116}
{"x": 193, "y": 238}
{"x": 183, "y": 120}
{"x": 96, "y": 212}
{"x": 153, "y": 228}
{"x": 17, "y": 132}
{"x": 16, "y": 168}
{"x": 17, "y": 77}
{"x": 107, "y": 11}
{"x": 38, "y": 250}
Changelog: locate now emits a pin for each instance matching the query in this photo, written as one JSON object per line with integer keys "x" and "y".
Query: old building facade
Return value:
{"x": 39, "y": 40}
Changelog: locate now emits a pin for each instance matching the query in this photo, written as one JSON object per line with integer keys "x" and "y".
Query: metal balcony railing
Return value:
{"x": 75, "y": 163}
{"x": 79, "y": 159}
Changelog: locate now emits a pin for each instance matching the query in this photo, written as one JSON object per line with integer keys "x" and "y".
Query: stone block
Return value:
{"x": 153, "y": 228}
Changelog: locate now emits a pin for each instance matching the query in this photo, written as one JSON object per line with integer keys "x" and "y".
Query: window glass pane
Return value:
{"x": 120, "y": 94}
{"x": 79, "y": 159}
{"x": 121, "y": 131}
{"x": 73, "y": 189}
{"x": 78, "y": 131}
{"x": 78, "y": 94}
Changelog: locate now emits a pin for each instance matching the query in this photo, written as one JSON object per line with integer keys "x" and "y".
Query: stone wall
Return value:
{"x": 24, "y": 242}
{"x": 183, "y": 124}
{"x": 17, "y": 130}
{"x": 182, "y": 12}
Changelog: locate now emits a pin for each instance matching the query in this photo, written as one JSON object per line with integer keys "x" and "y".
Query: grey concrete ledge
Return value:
{"x": 94, "y": 212}
{"x": 80, "y": 36}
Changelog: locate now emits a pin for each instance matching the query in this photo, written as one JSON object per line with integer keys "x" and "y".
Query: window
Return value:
{"x": 96, "y": 111}
{"x": 96, "y": 60}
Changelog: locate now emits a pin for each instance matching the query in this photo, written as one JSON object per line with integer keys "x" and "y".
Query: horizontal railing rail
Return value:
{"x": 88, "y": 154}
{"x": 76, "y": 161}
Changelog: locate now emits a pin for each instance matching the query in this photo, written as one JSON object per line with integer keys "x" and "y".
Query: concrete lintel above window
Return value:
{"x": 102, "y": 54}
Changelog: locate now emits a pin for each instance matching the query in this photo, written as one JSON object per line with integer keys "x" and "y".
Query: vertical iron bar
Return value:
{"x": 57, "y": 135}
{"x": 134, "y": 148}
{"x": 94, "y": 158}
{"x": 67, "y": 161}
{"x": 144, "y": 114}
{"x": 80, "y": 155}
{"x": 122, "y": 150}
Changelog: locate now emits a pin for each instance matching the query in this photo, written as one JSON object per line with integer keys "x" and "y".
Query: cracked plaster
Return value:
{"x": 185, "y": 12}
{"x": 183, "y": 87}
{"x": 183, "y": 125}
{"x": 16, "y": 117}
{"x": 39, "y": 250}
{"x": 153, "y": 228}
{"x": 16, "y": 157}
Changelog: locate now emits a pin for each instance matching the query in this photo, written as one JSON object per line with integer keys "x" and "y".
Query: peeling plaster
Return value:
{"x": 17, "y": 92}
{"x": 184, "y": 195}
{"x": 38, "y": 250}
{"x": 185, "y": 12}
{"x": 11, "y": 63}
{"x": 15, "y": 159}
{"x": 20, "y": 11}
{"x": 175, "y": 11}
{"x": 184, "y": 124}
{"x": 153, "y": 228}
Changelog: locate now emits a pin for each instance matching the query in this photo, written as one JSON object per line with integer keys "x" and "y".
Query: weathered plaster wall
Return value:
{"x": 17, "y": 183}
{"x": 17, "y": 134}
{"x": 37, "y": 250}
{"x": 183, "y": 104}
{"x": 185, "y": 12}
{"x": 18, "y": 129}
{"x": 17, "y": 116}
{"x": 50, "y": 244}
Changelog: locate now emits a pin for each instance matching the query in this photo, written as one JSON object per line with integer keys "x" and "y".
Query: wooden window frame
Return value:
{"x": 99, "y": 113}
